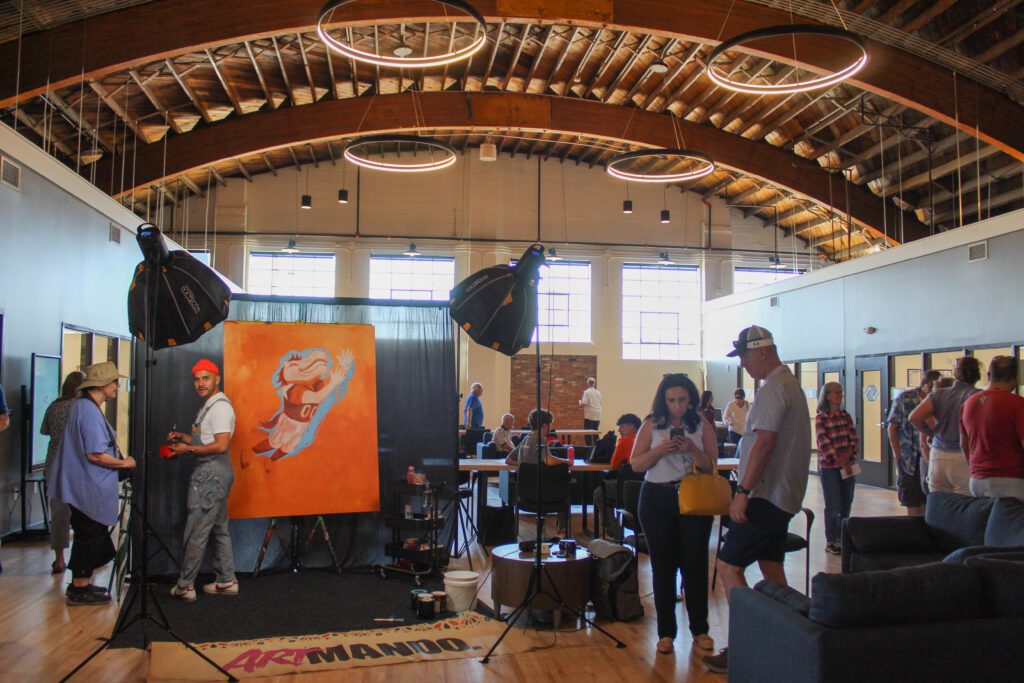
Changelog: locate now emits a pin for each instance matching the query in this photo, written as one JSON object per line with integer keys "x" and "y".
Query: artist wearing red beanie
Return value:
{"x": 209, "y": 486}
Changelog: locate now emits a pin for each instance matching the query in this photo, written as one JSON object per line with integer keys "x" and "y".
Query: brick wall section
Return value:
{"x": 568, "y": 378}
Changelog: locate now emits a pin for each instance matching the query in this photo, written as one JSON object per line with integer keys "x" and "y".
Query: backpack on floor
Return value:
{"x": 616, "y": 585}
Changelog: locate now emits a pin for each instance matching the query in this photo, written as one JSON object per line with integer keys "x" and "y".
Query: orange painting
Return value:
{"x": 305, "y": 398}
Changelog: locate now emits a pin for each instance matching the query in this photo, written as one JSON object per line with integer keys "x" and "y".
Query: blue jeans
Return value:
{"x": 838, "y": 493}
{"x": 675, "y": 542}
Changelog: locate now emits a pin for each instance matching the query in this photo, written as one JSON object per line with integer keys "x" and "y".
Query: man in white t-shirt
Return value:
{"x": 209, "y": 487}
{"x": 591, "y": 403}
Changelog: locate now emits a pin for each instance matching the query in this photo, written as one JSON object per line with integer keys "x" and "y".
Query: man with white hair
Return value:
{"x": 591, "y": 403}
{"x": 503, "y": 434}
{"x": 473, "y": 413}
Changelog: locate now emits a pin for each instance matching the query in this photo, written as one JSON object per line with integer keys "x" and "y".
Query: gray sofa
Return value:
{"x": 951, "y": 523}
{"x": 938, "y": 622}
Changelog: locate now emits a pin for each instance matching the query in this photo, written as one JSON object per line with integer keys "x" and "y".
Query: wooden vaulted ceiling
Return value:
{"x": 164, "y": 98}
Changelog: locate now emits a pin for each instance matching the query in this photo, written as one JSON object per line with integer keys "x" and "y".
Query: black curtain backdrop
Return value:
{"x": 417, "y": 423}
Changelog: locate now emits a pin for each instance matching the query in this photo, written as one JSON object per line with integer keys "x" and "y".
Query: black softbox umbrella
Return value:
{"x": 497, "y": 306}
{"x": 190, "y": 298}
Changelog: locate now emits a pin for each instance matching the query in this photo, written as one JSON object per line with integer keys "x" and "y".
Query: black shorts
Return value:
{"x": 908, "y": 487}
{"x": 761, "y": 537}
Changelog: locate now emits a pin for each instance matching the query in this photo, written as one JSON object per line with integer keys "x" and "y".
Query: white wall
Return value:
{"x": 57, "y": 267}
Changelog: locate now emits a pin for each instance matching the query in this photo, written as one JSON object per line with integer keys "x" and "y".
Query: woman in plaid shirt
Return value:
{"x": 837, "y": 453}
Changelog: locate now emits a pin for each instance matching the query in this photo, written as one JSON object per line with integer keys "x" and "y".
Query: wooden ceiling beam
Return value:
{"x": 537, "y": 58}
{"x": 151, "y": 96}
{"x": 626, "y": 68}
{"x": 935, "y": 9}
{"x": 494, "y": 53}
{"x": 117, "y": 109}
{"x": 307, "y": 69}
{"x": 187, "y": 89}
{"x": 229, "y": 88}
{"x": 243, "y": 170}
{"x": 683, "y": 61}
{"x": 523, "y": 35}
{"x": 259, "y": 76}
{"x": 284, "y": 71}
{"x": 560, "y": 60}
{"x": 606, "y": 63}
{"x": 122, "y": 39}
{"x": 216, "y": 174}
{"x": 269, "y": 163}
{"x": 331, "y": 119}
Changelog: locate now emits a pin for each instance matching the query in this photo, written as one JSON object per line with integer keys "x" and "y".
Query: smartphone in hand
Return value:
{"x": 677, "y": 432}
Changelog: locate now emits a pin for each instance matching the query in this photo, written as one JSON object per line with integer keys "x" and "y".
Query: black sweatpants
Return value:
{"x": 92, "y": 547}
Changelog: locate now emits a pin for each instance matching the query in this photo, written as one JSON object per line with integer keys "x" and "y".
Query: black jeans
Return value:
{"x": 675, "y": 542}
{"x": 92, "y": 547}
{"x": 838, "y": 494}
{"x": 591, "y": 424}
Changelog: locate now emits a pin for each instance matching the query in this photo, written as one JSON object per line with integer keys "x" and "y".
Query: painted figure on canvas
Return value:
{"x": 309, "y": 383}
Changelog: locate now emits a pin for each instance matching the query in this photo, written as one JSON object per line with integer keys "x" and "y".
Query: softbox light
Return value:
{"x": 497, "y": 306}
{"x": 189, "y": 297}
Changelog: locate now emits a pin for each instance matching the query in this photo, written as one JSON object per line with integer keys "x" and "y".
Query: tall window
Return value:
{"x": 563, "y": 302}
{"x": 744, "y": 279}
{"x": 660, "y": 312}
{"x": 407, "y": 277}
{"x": 202, "y": 255}
{"x": 291, "y": 274}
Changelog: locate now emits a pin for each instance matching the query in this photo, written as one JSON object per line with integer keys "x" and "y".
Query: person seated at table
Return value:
{"x": 629, "y": 425}
{"x": 526, "y": 451}
{"x": 503, "y": 434}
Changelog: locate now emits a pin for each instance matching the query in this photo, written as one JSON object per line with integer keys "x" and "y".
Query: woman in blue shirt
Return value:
{"x": 85, "y": 478}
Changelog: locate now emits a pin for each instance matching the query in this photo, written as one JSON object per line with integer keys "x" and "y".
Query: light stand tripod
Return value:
{"x": 540, "y": 579}
{"x": 142, "y": 588}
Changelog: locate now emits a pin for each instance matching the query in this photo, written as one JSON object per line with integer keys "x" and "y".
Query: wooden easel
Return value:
{"x": 294, "y": 553}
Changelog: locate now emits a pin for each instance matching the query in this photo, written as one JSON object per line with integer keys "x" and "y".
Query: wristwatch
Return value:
{"x": 745, "y": 492}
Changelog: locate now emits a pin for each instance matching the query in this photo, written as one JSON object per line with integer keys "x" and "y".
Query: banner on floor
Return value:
{"x": 305, "y": 399}
{"x": 464, "y": 636}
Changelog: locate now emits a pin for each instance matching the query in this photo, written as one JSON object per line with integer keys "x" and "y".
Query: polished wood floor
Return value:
{"x": 41, "y": 638}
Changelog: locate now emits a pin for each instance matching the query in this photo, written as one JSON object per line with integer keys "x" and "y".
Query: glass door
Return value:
{"x": 872, "y": 408}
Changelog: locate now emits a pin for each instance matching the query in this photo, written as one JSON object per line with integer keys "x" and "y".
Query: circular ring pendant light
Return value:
{"x": 360, "y": 152}
{"x": 618, "y": 166}
{"x": 401, "y": 60}
{"x": 723, "y": 79}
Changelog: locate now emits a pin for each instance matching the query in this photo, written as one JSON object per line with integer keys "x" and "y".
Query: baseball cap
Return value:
{"x": 752, "y": 337}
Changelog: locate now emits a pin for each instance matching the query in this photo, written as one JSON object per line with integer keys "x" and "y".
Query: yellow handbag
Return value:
{"x": 704, "y": 494}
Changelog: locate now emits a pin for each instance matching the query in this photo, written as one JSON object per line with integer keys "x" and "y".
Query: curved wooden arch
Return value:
{"x": 330, "y": 120}
{"x": 92, "y": 48}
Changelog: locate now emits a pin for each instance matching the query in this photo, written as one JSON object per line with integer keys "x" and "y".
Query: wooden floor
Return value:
{"x": 41, "y": 638}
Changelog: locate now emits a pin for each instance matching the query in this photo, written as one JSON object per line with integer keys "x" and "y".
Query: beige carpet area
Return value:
{"x": 463, "y": 636}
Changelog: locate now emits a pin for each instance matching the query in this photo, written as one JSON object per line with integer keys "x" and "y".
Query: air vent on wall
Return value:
{"x": 10, "y": 174}
{"x": 773, "y": 302}
{"x": 977, "y": 251}
{"x": 115, "y": 234}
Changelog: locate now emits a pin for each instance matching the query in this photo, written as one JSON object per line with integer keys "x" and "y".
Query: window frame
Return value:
{"x": 685, "y": 346}
{"x": 378, "y": 258}
{"x": 325, "y": 255}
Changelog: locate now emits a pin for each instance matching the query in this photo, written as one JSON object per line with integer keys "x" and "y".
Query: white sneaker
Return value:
{"x": 186, "y": 594}
{"x": 216, "y": 588}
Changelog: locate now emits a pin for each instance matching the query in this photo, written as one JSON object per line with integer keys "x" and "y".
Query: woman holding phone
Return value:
{"x": 673, "y": 442}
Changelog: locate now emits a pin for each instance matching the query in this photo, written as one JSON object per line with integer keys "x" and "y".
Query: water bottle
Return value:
{"x": 572, "y": 453}
{"x": 409, "y": 474}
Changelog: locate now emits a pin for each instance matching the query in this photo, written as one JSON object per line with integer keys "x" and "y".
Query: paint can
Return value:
{"x": 440, "y": 600}
{"x": 414, "y": 596}
{"x": 425, "y": 606}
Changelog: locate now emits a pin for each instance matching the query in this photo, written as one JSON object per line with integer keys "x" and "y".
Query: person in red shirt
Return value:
{"x": 992, "y": 434}
{"x": 628, "y": 426}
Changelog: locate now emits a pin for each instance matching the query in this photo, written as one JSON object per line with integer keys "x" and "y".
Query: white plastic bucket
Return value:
{"x": 461, "y": 587}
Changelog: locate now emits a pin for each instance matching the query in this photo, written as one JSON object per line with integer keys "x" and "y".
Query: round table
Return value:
{"x": 568, "y": 578}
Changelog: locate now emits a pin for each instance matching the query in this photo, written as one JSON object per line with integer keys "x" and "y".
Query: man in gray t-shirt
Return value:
{"x": 774, "y": 453}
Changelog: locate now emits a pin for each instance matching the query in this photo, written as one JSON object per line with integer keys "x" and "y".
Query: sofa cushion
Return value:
{"x": 790, "y": 597}
{"x": 1006, "y": 523}
{"x": 884, "y": 561}
{"x": 1002, "y": 583}
{"x": 929, "y": 593}
{"x": 889, "y": 535}
{"x": 963, "y": 554}
{"x": 955, "y": 521}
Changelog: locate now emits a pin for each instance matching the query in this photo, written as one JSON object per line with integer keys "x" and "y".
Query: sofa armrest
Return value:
{"x": 770, "y": 642}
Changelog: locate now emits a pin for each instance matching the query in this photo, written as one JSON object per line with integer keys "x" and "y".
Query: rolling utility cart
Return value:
{"x": 416, "y": 524}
